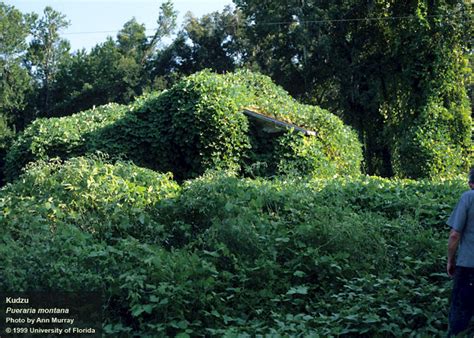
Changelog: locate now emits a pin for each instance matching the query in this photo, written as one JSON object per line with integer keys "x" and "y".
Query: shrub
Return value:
{"x": 99, "y": 198}
{"x": 196, "y": 125}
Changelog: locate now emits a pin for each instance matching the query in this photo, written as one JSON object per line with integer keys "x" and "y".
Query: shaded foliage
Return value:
{"x": 393, "y": 70}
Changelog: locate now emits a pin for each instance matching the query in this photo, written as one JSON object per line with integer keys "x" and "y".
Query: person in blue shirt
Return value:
{"x": 461, "y": 266}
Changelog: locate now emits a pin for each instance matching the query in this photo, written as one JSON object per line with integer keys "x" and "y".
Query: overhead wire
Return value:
{"x": 270, "y": 23}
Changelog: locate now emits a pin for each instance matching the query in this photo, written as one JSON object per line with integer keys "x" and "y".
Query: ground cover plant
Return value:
{"x": 196, "y": 125}
{"x": 224, "y": 255}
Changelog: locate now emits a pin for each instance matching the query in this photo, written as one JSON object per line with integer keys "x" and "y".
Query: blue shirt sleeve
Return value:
{"x": 458, "y": 217}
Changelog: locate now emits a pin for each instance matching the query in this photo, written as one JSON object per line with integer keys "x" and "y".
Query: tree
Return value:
{"x": 132, "y": 40}
{"x": 132, "y": 45}
{"x": 87, "y": 79}
{"x": 215, "y": 41}
{"x": 166, "y": 24}
{"x": 46, "y": 51}
{"x": 114, "y": 71}
{"x": 15, "y": 83}
{"x": 73, "y": 85}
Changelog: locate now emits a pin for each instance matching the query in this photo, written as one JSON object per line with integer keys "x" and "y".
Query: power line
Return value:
{"x": 102, "y": 32}
{"x": 275, "y": 23}
{"x": 406, "y": 17}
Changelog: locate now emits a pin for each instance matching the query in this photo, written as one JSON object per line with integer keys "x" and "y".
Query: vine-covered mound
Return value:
{"x": 63, "y": 137}
{"x": 196, "y": 125}
{"x": 222, "y": 255}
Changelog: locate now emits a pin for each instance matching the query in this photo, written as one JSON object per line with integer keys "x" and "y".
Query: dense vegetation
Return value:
{"x": 196, "y": 125}
{"x": 134, "y": 172}
{"x": 221, "y": 254}
{"x": 396, "y": 72}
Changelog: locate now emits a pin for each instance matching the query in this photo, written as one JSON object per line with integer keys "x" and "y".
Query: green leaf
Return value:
{"x": 183, "y": 335}
{"x": 299, "y": 273}
{"x": 298, "y": 290}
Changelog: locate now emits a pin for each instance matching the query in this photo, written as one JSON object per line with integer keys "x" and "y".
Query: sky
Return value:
{"x": 91, "y": 21}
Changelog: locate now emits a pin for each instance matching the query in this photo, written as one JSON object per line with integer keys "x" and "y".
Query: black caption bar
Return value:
{"x": 50, "y": 314}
